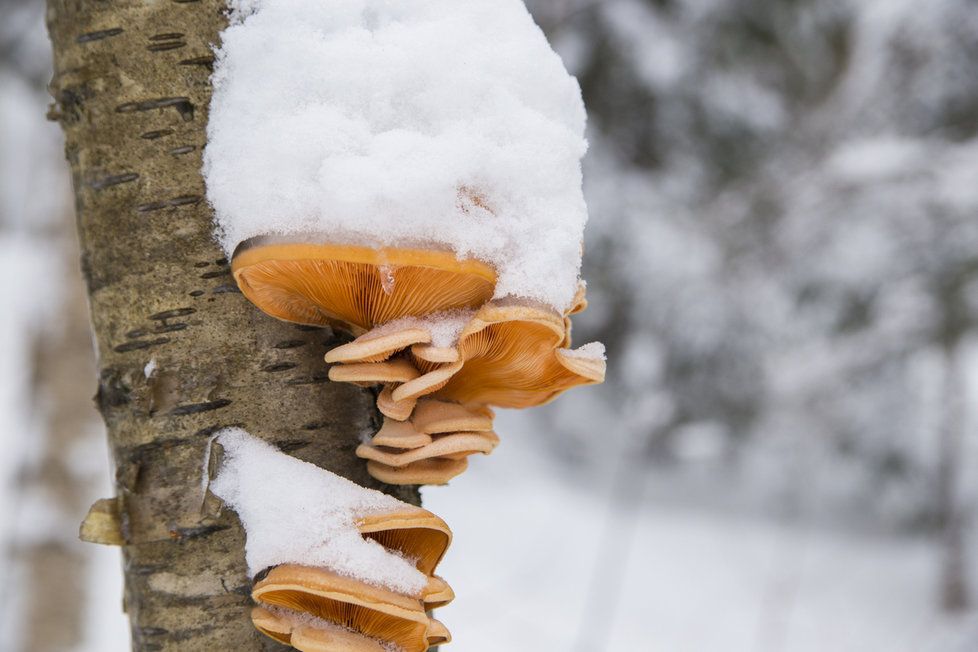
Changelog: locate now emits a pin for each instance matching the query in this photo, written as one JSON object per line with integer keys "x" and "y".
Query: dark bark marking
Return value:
{"x": 216, "y": 274}
{"x": 185, "y": 533}
{"x": 177, "y": 151}
{"x": 183, "y": 105}
{"x": 112, "y": 391}
{"x": 290, "y": 344}
{"x": 183, "y": 200}
{"x": 166, "y": 36}
{"x": 141, "y": 344}
{"x": 158, "y": 133}
{"x": 163, "y": 47}
{"x": 170, "y": 314}
{"x": 88, "y": 37}
{"x": 170, "y": 328}
{"x": 207, "y": 61}
{"x": 113, "y": 180}
{"x": 317, "y": 379}
{"x": 197, "y": 408}
{"x": 279, "y": 366}
{"x": 197, "y": 293}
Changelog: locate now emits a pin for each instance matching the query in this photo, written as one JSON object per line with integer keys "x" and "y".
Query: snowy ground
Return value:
{"x": 529, "y": 541}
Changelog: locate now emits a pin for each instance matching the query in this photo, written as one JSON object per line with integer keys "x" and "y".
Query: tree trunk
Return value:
{"x": 180, "y": 352}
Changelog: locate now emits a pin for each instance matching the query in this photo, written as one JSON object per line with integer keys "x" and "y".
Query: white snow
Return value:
{"x": 444, "y": 327}
{"x": 150, "y": 368}
{"x": 430, "y": 123}
{"x": 590, "y": 351}
{"x": 294, "y": 512}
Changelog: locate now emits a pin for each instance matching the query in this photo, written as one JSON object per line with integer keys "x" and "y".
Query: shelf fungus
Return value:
{"x": 356, "y": 287}
{"x": 430, "y": 337}
{"x": 362, "y": 578}
{"x": 507, "y": 354}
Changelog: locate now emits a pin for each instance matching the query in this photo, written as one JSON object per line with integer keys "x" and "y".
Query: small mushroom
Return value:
{"x": 398, "y": 370}
{"x": 416, "y": 534}
{"x": 397, "y": 410}
{"x": 512, "y": 358}
{"x": 433, "y": 471}
{"x": 453, "y": 446}
{"x": 427, "y": 383}
{"x": 305, "y": 634}
{"x": 400, "y": 434}
{"x": 367, "y": 610}
{"x": 438, "y": 593}
{"x": 438, "y": 634}
{"x": 378, "y": 345}
{"x": 361, "y": 287}
{"x": 432, "y": 417}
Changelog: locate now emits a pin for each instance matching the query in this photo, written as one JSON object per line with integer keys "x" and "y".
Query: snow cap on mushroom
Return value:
{"x": 424, "y": 124}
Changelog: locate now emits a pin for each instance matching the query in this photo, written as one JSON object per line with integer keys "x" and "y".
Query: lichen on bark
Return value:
{"x": 131, "y": 88}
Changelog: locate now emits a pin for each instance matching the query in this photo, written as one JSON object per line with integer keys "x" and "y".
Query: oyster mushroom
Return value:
{"x": 361, "y": 287}
{"x": 397, "y": 410}
{"x": 432, "y": 417}
{"x": 416, "y": 534}
{"x": 367, "y": 610}
{"x": 308, "y": 634}
{"x": 432, "y": 471}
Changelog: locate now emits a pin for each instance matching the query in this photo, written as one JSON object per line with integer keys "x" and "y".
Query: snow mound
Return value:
{"x": 294, "y": 512}
{"x": 432, "y": 123}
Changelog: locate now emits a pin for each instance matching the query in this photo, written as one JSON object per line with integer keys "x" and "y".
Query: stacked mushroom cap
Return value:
{"x": 317, "y": 610}
{"x": 435, "y": 394}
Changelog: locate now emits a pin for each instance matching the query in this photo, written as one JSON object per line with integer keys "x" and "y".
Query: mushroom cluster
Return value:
{"x": 431, "y": 337}
{"x": 319, "y": 610}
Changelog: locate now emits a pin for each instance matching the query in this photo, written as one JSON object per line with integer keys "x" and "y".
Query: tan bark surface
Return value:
{"x": 132, "y": 91}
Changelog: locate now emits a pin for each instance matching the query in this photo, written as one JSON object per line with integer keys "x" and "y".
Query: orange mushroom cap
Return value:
{"x": 368, "y": 610}
{"x": 396, "y": 410}
{"x": 512, "y": 359}
{"x": 320, "y": 284}
{"x": 306, "y": 637}
{"x": 416, "y": 533}
{"x": 432, "y": 471}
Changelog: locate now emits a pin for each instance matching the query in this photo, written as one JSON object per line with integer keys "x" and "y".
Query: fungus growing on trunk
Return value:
{"x": 370, "y": 611}
{"x": 358, "y": 287}
{"x": 364, "y": 573}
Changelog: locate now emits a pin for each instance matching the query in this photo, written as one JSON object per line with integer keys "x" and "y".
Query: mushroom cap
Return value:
{"x": 320, "y": 284}
{"x": 397, "y": 370}
{"x": 396, "y": 410}
{"x": 372, "y": 611}
{"x": 438, "y": 634}
{"x": 400, "y": 434}
{"x": 377, "y": 347}
{"x": 426, "y": 383}
{"x": 308, "y": 638}
{"x": 434, "y": 354}
{"x": 437, "y": 594}
{"x": 454, "y": 446}
{"x": 417, "y": 534}
{"x": 432, "y": 417}
{"x": 512, "y": 358}
{"x": 430, "y": 471}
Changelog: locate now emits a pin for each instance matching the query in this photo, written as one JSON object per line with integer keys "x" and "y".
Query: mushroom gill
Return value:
{"x": 361, "y": 287}
{"x": 416, "y": 534}
{"x": 307, "y": 634}
{"x": 370, "y": 611}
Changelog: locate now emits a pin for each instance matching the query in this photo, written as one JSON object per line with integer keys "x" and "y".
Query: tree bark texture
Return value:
{"x": 132, "y": 90}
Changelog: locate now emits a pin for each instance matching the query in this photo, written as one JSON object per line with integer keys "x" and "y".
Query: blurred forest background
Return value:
{"x": 783, "y": 261}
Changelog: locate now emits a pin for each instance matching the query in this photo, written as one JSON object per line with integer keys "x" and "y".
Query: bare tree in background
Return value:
{"x": 180, "y": 352}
